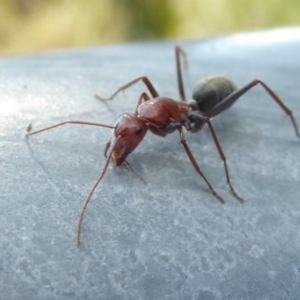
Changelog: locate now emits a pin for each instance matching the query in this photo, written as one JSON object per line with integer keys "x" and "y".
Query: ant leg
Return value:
{"x": 144, "y": 96}
{"x": 146, "y": 81}
{"x": 134, "y": 172}
{"x": 197, "y": 126}
{"x": 179, "y": 51}
{"x": 86, "y": 202}
{"x": 156, "y": 131}
{"x": 223, "y": 158}
{"x": 198, "y": 122}
{"x": 230, "y": 99}
{"x": 194, "y": 163}
{"x": 28, "y": 128}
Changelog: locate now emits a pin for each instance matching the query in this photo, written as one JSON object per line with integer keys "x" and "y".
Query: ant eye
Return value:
{"x": 139, "y": 130}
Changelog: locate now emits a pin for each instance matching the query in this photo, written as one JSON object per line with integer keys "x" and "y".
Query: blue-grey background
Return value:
{"x": 169, "y": 239}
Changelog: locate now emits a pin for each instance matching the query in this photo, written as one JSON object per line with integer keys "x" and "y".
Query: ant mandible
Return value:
{"x": 163, "y": 115}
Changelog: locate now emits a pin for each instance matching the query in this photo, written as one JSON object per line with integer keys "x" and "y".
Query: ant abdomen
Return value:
{"x": 212, "y": 90}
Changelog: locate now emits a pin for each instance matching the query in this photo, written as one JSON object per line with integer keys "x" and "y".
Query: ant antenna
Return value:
{"x": 93, "y": 189}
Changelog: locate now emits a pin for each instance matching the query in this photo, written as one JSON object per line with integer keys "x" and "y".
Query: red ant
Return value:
{"x": 163, "y": 115}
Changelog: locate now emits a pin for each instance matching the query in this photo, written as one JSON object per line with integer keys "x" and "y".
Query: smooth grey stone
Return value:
{"x": 171, "y": 238}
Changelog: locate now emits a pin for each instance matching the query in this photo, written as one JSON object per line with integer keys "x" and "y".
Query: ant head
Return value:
{"x": 130, "y": 130}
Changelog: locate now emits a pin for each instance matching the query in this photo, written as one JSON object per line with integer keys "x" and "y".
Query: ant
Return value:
{"x": 163, "y": 115}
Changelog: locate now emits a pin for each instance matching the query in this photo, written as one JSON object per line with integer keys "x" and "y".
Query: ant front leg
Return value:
{"x": 194, "y": 162}
{"x": 145, "y": 80}
{"x": 231, "y": 98}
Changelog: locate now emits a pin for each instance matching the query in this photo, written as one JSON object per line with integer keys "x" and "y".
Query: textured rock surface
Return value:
{"x": 170, "y": 239}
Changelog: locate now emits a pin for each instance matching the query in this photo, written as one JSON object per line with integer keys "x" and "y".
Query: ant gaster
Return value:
{"x": 163, "y": 115}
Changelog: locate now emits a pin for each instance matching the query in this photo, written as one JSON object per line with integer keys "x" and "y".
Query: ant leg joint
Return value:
{"x": 28, "y": 129}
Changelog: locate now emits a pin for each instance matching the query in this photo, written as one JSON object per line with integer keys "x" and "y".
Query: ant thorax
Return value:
{"x": 162, "y": 111}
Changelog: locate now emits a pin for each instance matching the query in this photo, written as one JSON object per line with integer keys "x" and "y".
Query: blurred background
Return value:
{"x": 29, "y": 26}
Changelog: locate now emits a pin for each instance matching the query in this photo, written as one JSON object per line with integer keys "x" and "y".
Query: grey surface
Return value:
{"x": 170, "y": 239}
